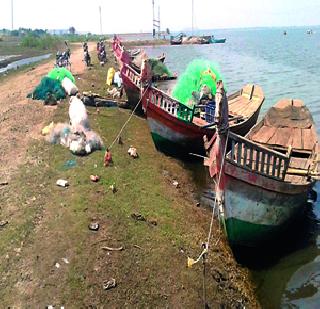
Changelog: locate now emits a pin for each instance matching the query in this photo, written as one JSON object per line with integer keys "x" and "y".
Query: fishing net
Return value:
{"x": 60, "y": 74}
{"x": 158, "y": 68}
{"x": 49, "y": 90}
{"x": 198, "y": 73}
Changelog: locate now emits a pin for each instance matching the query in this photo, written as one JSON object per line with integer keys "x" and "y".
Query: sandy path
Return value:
{"x": 21, "y": 119}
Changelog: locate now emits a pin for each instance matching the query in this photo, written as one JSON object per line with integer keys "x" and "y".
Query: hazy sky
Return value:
{"x": 136, "y": 15}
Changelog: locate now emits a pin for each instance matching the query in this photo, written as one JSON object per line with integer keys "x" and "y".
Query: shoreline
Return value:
{"x": 49, "y": 224}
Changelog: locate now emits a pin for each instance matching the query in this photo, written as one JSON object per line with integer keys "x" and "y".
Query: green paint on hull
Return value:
{"x": 250, "y": 234}
{"x": 166, "y": 146}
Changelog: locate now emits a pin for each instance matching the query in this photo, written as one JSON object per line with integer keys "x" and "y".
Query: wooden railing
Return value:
{"x": 133, "y": 75}
{"x": 170, "y": 105}
{"x": 254, "y": 157}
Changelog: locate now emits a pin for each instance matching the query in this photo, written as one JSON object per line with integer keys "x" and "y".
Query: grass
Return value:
{"x": 49, "y": 223}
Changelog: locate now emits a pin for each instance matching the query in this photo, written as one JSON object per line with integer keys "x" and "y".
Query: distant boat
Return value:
{"x": 176, "y": 40}
{"x": 284, "y": 32}
{"x": 266, "y": 176}
{"x": 212, "y": 40}
{"x": 309, "y": 31}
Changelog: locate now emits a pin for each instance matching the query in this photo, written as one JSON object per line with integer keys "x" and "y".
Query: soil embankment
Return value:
{"x": 48, "y": 254}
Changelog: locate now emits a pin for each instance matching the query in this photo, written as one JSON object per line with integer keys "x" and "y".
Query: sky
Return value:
{"x": 132, "y": 16}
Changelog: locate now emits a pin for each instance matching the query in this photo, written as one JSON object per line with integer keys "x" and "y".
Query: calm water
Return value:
{"x": 17, "y": 64}
{"x": 285, "y": 67}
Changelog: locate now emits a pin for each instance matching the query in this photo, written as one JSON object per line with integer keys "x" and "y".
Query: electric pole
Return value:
{"x": 11, "y": 14}
{"x": 100, "y": 19}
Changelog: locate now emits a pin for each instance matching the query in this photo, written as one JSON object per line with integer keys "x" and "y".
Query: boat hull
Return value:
{"x": 176, "y": 137}
{"x": 254, "y": 215}
{"x": 216, "y": 41}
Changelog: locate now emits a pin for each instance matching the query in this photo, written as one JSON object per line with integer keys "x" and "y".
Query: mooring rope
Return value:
{"x": 128, "y": 120}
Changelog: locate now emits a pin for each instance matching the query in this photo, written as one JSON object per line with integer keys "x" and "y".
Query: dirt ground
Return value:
{"x": 21, "y": 119}
{"x": 48, "y": 255}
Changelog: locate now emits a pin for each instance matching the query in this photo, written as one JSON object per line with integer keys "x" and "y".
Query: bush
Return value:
{"x": 43, "y": 42}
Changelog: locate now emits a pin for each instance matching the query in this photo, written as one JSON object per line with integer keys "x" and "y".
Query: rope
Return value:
{"x": 215, "y": 200}
{"x": 127, "y": 121}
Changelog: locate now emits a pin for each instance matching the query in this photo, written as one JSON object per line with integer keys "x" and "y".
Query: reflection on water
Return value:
{"x": 287, "y": 275}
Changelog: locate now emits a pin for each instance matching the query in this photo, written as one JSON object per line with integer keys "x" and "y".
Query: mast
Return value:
{"x": 158, "y": 21}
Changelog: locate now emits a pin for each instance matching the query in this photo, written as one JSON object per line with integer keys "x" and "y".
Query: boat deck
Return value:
{"x": 283, "y": 145}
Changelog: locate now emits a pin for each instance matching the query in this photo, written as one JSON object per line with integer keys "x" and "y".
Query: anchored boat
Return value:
{"x": 266, "y": 176}
{"x": 177, "y": 129}
{"x": 132, "y": 76}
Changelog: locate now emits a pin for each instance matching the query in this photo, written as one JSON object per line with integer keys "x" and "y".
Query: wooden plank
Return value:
{"x": 268, "y": 164}
{"x": 232, "y": 149}
{"x": 239, "y": 154}
{"x": 274, "y": 166}
{"x": 282, "y": 137}
{"x": 251, "y": 158}
{"x": 296, "y": 139}
{"x": 264, "y": 134}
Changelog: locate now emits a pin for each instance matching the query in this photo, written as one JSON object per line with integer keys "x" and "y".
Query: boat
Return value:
{"x": 212, "y": 40}
{"x": 131, "y": 75}
{"x": 177, "y": 129}
{"x": 176, "y": 40}
{"x": 267, "y": 175}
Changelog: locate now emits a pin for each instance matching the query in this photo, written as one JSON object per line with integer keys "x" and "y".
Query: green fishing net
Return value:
{"x": 60, "y": 74}
{"x": 158, "y": 68}
{"x": 49, "y": 90}
{"x": 198, "y": 73}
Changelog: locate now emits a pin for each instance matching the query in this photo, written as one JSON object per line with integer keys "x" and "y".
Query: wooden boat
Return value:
{"x": 267, "y": 175}
{"x": 177, "y": 130}
{"x": 132, "y": 77}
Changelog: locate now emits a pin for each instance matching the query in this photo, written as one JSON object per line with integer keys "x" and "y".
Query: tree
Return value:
{"x": 72, "y": 30}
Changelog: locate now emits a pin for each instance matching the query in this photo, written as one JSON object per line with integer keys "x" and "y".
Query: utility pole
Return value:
{"x": 11, "y": 14}
{"x": 153, "y": 30}
{"x": 159, "y": 22}
{"x": 155, "y": 22}
{"x": 100, "y": 19}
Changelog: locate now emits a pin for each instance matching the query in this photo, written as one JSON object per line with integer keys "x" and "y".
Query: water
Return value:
{"x": 17, "y": 64}
{"x": 285, "y": 67}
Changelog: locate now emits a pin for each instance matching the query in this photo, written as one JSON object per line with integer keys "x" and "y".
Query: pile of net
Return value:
{"x": 79, "y": 140}
{"x": 198, "y": 73}
{"x": 49, "y": 90}
{"x": 54, "y": 86}
{"x": 60, "y": 73}
{"x": 158, "y": 68}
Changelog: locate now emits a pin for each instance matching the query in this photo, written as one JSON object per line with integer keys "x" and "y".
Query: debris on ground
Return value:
{"x": 57, "y": 265}
{"x": 133, "y": 152}
{"x": 113, "y": 188}
{"x": 176, "y": 184}
{"x": 46, "y": 130}
{"x": 112, "y": 249}
{"x": 94, "y": 178}
{"x": 107, "y": 160}
{"x": 120, "y": 142}
{"x": 65, "y": 260}
{"x": 138, "y": 217}
{"x": 109, "y": 284}
{"x": 3, "y": 223}
{"x": 94, "y": 226}
{"x": 62, "y": 183}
